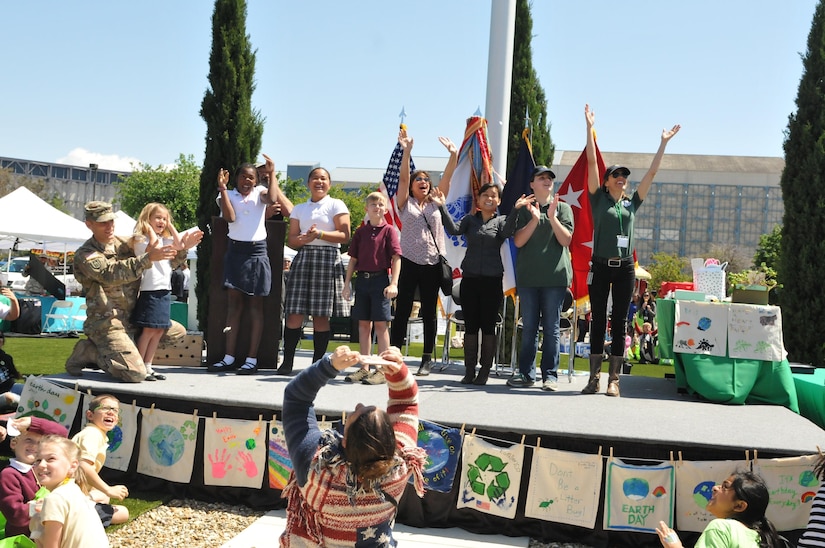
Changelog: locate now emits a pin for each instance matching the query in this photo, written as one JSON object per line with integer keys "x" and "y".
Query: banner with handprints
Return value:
{"x": 44, "y": 399}
{"x": 122, "y": 438}
{"x": 755, "y": 332}
{"x": 564, "y": 487}
{"x": 792, "y": 486}
{"x": 637, "y": 498}
{"x": 700, "y": 328}
{"x": 234, "y": 452}
{"x": 167, "y": 445}
{"x": 694, "y": 488}
{"x": 278, "y": 462}
{"x": 490, "y": 477}
{"x": 443, "y": 446}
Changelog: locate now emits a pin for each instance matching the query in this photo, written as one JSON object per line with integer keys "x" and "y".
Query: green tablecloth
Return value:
{"x": 722, "y": 379}
{"x": 810, "y": 389}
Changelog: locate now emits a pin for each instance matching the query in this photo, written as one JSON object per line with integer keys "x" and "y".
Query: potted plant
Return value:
{"x": 751, "y": 286}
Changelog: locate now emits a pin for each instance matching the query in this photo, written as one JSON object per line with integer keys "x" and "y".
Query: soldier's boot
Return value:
{"x": 83, "y": 355}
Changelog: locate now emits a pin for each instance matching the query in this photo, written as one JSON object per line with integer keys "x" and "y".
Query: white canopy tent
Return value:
{"x": 124, "y": 225}
{"x": 36, "y": 223}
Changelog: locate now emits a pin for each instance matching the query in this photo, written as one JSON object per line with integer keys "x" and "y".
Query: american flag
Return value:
{"x": 389, "y": 186}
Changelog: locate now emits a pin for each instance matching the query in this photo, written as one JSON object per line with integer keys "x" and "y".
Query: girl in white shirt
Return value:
{"x": 153, "y": 309}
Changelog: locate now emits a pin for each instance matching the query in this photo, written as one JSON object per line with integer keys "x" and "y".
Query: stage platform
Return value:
{"x": 649, "y": 421}
{"x": 650, "y": 414}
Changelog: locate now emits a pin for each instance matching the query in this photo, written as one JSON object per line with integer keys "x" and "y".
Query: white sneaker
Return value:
{"x": 551, "y": 385}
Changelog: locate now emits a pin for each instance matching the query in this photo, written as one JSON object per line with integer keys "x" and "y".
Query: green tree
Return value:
{"x": 176, "y": 188}
{"x": 802, "y": 260}
{"x": 527, "y": 95}
{"x": 769, "y": 249}
{"x": 667, "y": 268}
{"x": 233, "y": 129}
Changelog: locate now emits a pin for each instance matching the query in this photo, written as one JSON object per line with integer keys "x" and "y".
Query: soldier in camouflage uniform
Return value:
{"x": 107, "y": 268}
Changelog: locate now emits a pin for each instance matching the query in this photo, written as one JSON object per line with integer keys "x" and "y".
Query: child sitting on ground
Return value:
{"x": 9, "y": 391}
{"x": 103, "y": 415}
{"x": 374, "y": 248}
{"x": 647, "y": 346}
{"x": 66, "y": 519}
{"x": 17, "y": 482}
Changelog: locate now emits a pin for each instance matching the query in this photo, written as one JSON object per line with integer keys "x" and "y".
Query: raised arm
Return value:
{"x": 444, "y": 183}
{"x": 593, "y": 182}
{"x": 300, "y": 423}
{"x": 227, "y": 211}
{"x": 403, "y": 192}
{"x": 14, "y": 308}
{"x": 274, "y": 192}
{"x": 403, "y": 398}
{"x": 647, "y": 180}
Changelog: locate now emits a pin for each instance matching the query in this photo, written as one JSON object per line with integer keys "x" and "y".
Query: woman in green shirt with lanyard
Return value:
{"x": 612, "y": 263}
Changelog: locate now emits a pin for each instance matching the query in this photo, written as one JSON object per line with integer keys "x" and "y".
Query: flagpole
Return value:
{"x": 499, "y": 78}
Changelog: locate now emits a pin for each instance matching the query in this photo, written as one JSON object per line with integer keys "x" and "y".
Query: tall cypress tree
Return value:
{"x": 234, "y": 130}
{"x": 802, "y": 261}
{"x": 527, "y": 94}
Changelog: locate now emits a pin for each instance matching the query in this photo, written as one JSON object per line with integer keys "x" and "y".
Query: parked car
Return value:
{"x": 11, "y": 275}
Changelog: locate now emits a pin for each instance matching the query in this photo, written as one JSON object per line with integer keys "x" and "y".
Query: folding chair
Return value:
{"x": 57, "y": 319}
{"x": 79, "y": 318}
{"x": 454, "y": 318}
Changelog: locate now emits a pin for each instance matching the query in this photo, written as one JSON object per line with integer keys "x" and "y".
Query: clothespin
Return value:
{"x": 473, "y": 433}
{"x": 461, "y": 432}
{"x": 522, "y": 438}
{"x": 151, "y": 408}
{"x": 671, "y": 456}
{"x": 195, "y": 415}
{"x": 680, "y": 456}
{"x": 134, "y": 404}
{"x": 755, "y": 455}
{"x": 214, "y": 416}
{"x": 538, "y": 442}
{"x": 600, "y": 450}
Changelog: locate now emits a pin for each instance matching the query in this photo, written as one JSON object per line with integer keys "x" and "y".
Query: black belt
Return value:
{"x": 614, "y": 262}
{"x": 367, "y": 275}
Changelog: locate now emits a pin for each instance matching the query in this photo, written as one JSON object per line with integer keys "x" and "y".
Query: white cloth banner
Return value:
{"x": 167, "y": 445}
{"x": 44, "y": 399}
{"x": 755, "y": 332}
{"x": 564, "y": 487}
{"x": 637, "y": 498}
{"x": 234, "y": 452}
{"x": 694, "y": 487}
{"x": 792, "y": 486}
{"x": 700, "y": 328}
{"x": 490, "y": 477}
{"x": 278, "y": 463}
{"x": 122, "y": 439}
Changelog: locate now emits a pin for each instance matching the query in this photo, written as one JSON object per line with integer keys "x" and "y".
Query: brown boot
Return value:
{"x": 595, "y": 372}
{"x": 616, "y": 363}
{"x": 470, "y": 357}
{"x": 488, "y": 355}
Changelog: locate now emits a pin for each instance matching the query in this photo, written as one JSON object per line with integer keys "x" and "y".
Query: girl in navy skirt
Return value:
{"x": 317, "y": 229}
{"x": 153, "y": 309}
{"x": 247, "y": 275}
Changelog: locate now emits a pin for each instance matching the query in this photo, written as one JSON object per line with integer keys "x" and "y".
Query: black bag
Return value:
{"x": 446, "y": 283}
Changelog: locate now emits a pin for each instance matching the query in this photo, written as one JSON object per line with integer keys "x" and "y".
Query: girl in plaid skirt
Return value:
{"x": 317, "y": 229}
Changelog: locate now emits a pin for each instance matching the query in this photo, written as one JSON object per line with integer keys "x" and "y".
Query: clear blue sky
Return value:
{"x": 119, "y": 82}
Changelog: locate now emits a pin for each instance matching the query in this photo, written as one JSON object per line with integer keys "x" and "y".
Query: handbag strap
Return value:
{"x": 424, "y": 216}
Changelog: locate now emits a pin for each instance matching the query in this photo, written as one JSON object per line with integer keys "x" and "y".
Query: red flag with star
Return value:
{"x": 573, "y": 192}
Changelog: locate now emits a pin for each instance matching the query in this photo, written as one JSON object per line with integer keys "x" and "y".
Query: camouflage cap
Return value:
{"x": 99, "y": 212}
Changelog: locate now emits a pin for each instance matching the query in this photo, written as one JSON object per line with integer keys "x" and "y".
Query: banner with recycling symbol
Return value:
{"x": 490, "y": 477}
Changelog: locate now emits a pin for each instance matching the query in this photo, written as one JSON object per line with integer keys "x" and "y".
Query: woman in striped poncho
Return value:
{"x": 344, "y": 490}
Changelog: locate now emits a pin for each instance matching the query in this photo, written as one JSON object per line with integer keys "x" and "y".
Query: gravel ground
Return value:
{"x": 185, "y": 523}
{"x": 195, "y": 524}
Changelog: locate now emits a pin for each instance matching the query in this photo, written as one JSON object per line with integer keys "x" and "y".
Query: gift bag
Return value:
{"x": 711, "y": 278}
